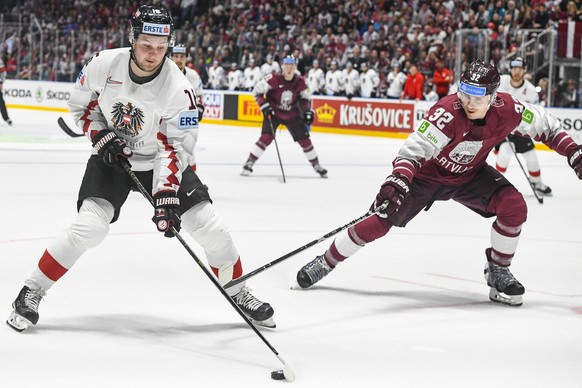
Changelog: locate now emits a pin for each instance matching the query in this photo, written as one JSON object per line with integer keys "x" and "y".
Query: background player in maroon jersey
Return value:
{"x": 283, "y": 99}
{"x": 445, "y": 158}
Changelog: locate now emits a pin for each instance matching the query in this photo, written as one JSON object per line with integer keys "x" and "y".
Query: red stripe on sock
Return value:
{"x": 50, "y": 267}
{"x": 236, "y": 270}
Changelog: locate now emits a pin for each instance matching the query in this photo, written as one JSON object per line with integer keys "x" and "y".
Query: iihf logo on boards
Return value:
{"x": 127, "y": 119}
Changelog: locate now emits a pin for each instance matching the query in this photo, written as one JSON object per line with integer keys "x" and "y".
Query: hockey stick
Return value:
{"x": 287, "y": 371}
{"x": 304, "y": 247}
{"x": 277, "y": 147}
{"x": 539, "y": 198}
{"x": 68, "y": 130}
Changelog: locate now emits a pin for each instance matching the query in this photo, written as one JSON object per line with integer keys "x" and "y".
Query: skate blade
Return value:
{"x": 502, "y": 298}
{"x": 18, "y": 322}
{"x": 245, "y": 173}
{"x": 268, "y": 323}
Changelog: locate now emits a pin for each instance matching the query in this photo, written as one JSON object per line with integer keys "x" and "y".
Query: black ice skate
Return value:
{"x": 247, "y": 168}
{"x": 260, "y": 313}
{"x": 505, "y": 288}
{"x": 313, "y": 272}
{"x": 25, "y": 309}
{"x": 320, "y": 170}
{"x": 542, "y": 189}
{"x": 9, "y": 122}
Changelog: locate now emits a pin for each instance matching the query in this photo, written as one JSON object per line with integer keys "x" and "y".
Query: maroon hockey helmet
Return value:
{"x": 152, "y": 20}
{"x": 479, "y": 79}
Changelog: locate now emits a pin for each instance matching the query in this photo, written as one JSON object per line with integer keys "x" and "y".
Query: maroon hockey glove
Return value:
{"x": 111, "y": 147}
{"x": 308, "y": 117}
{"x": 394, "y": 190}
{"x": 267, "y": 110}
{"x": 575, "y": 161}
{"x": 167, "y": 212}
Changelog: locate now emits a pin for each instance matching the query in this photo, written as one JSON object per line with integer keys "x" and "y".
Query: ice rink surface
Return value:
{"x": 409, "y": 310}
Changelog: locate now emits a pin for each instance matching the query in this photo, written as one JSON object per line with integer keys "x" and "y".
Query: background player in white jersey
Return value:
{"x": 134, "y": 104}
{"x": 516, "y": 85}
{"x": 369, "y": 81}
{"x": 284, "y": 99}
{"x": 179, "y": 58}
{"x": 351, "y": 81}
{"x": 252, "y": 75}
{"x": 2, "y": 103}
{"x": 270, "y": 66}
{"x": 216, "y": 76}
{"x": 316, "y": 78}
{"x": 235, "y": 77}
{"x": 396, "y": 80}
{"x": 334, "y": 81}
{"x": 446, "y": 158}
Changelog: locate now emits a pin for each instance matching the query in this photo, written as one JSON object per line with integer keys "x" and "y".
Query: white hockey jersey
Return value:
{"x": 268, "y": 68}
{"x": 395, "y": 84}
{"x": 369, "y": 82}
{"x": 189, "y": 143}
{"x": 216, "y": 77}
{"x": 152, "y": 117}
{"x": 351, "y": 82}
{"x": 334, "y": 82}
{"x": 316, "y": 80}
{"x": 252, "y": 76}
{"x": 235, "y": 79}
{"x": 526, "y": 92}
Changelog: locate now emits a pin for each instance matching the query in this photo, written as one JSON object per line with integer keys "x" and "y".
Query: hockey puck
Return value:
{"x": 278, "y": 375}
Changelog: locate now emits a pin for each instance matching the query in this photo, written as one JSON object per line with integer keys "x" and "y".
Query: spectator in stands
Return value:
{"x": 570, "y": 97}
{"x": 414, "y": 85}
{"x": 442, "y": 78}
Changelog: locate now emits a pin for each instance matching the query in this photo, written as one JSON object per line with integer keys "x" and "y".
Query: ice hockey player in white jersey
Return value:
{"x": 137, "y": 107}
{"x": 235, "y": 77}
{"x": 334, "y": 82}
{"x": 252, "y": 75}
{"x": 520, "y": 88}
{"x": 179, "y": 58}
{"x": 369, "y": 81}
{"x": 270, "y": 66}
{"x": 396, "y": 80}
{"x": 351, "y": 80}
{"x": 216, "y": 76}
{"x": 316, "y": 78}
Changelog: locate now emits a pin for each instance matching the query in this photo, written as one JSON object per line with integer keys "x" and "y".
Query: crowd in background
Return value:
{"x": 413, "y": 38}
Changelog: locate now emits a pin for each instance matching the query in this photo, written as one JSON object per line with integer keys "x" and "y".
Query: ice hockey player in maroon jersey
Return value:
{"x": 284, "y": 99}
{"x": 445, "y": 158}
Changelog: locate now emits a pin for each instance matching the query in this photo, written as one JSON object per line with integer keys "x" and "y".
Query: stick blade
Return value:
{"x": 66, "y": 128}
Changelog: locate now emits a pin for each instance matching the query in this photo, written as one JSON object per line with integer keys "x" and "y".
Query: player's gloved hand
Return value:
{"x": 201, "y": 110}
{"x": 111, "y": 147}
{"x": 167, "y": 212}
{"x": 394, "y": 190}
{"x": 575, "y": 161}
{"x": 267, "y": 110}
{"x": 309, "y": 116}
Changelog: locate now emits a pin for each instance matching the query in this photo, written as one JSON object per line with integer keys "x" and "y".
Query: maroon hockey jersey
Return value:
{"x": 287, "y": 98}
{"x": 449, "y": 148}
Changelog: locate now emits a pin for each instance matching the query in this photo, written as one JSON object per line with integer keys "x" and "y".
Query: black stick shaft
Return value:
{"x": 208, "y": 274}
{"x": 302, "y": 248}
{"x": 276, "y": 147}
{"x": 539, "y": 198}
